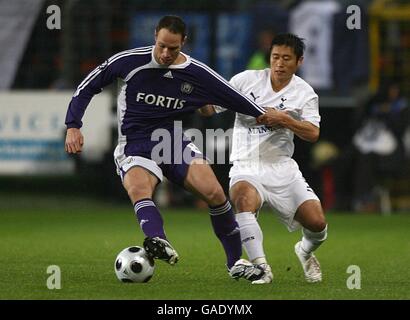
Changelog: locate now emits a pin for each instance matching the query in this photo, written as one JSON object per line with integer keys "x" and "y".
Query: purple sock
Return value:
{"x": 149, "y": 218}
{"x": 227, "y": 230}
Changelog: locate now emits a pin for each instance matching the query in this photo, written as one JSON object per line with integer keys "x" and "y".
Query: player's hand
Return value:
{"x": 272, "y": 117}
{"x": 74, "y": 141}
{"x": 207, "y": 110}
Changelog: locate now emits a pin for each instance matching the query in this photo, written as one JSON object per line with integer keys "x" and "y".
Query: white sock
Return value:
{"x": 259, "y": 260}
{"x": 312, "y": 240}
{"x": 251, "y": 236}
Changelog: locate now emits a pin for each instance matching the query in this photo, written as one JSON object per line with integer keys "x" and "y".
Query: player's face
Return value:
{"x": 283, "y": 63}
{"x": 167, "y": 46}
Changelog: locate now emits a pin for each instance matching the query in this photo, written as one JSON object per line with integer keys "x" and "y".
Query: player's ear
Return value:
{"x": 300, "y": 61}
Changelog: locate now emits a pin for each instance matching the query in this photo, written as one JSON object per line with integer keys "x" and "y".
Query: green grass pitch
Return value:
{"x": 83, "y": 239}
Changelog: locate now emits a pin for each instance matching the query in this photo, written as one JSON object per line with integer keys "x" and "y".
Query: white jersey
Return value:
{"x": 252, "y": 141}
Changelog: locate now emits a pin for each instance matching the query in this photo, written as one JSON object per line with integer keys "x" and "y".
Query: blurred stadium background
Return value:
{"x": 41, "y": 68}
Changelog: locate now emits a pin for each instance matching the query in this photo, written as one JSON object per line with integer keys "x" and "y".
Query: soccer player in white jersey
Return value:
{"x": 263, "y": 170}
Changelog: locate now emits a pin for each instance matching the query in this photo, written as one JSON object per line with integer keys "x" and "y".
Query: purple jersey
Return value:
{"x": 153, "y": 96}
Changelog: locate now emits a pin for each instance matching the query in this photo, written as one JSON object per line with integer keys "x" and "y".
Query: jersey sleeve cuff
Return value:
{"x": 73, "y": 125}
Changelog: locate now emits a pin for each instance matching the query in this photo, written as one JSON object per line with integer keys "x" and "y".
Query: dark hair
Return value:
{"x": 290, "y": 40}
{"x": 172, "y": 23}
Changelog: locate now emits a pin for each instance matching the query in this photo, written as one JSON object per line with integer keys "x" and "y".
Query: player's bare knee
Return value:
{"x": 244, "y": 203}
{"x": 137, "y": 192}
{"x": 215, "y": 195}
{"x": 318, "y": 225}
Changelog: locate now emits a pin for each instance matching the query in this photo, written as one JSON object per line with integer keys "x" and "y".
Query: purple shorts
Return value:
{"x": 169, "y": 157}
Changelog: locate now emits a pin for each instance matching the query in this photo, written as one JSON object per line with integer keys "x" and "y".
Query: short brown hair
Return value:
{"x": 292, "y": 41}
{"x": 172, "y": 23}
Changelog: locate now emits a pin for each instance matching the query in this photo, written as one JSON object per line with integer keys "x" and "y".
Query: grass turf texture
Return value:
{"x": 83, "y": 239}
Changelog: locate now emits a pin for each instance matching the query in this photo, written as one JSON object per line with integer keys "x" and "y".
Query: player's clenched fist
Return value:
{"x": 272, "y": 117}
{"x": 74, "y": 140}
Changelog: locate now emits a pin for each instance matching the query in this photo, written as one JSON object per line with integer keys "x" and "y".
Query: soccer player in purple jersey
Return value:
{"x": 159, "y": 84}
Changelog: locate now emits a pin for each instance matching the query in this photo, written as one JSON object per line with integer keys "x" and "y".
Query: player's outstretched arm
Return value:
{"x": 217, "y": 91}
{"x": 74, "y": 141}
{"x": 303, "y": 129}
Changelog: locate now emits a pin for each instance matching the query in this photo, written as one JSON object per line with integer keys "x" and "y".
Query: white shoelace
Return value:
{"x": 312, "y": 266}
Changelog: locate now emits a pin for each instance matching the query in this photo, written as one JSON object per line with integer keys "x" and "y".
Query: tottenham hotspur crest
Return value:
{"x": 186, "y": 87}
{"x": 281, "y": 106}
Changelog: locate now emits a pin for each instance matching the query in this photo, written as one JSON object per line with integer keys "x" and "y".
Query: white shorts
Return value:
{"x": 281, "y": 185}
